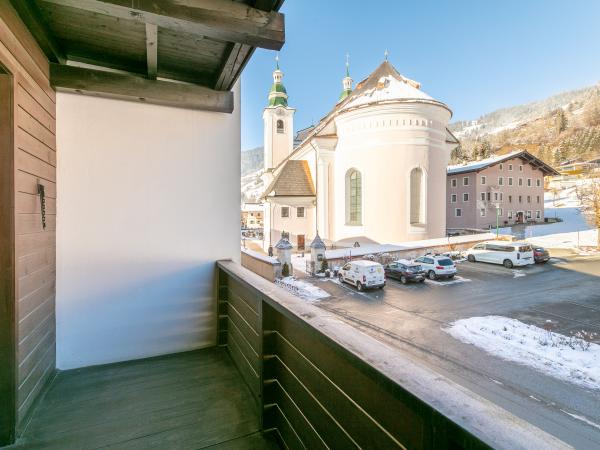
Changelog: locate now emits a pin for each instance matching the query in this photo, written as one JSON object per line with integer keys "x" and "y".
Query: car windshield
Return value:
{"x": 445, "y": 262}
{"x": 415, "y": 268}
{"x": 525, "y": 248}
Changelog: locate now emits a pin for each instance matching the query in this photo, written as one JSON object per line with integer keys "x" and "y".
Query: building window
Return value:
{"x": 285, "y": 211}
{"x": 510, "y": 214}
{"x": 483, "y": 196}
{"x": 458, "y": 212}
{"x": 500, "y": 181}
{"x": 520, "y": 181}
{"x": 465, "y": 181}
{"x": 510, "y": 167}
{"x": 280, "y": 126}
{"x": 529, "y": 214}
{"x": 538, "y": 214}
{"x": 538, "y": 182}
{"x": 520, "y": 199}
{"x": 417, "y": 196}
{"x": 482, "y": 212}
{"x": 529, "y": 199}
{"x": 489, "y": 196}
{"x": 520, "y": 168}
{"x": 453, "y": 182}
{"x": 501, "y": 166}
{"x": 538, "y": 198}
{"x": 353, "y": 197}
{"x": 300, "y": 211}
{"x": 510, "y": 199}
{"x": 482, "y": 179}
{"x": 495, "y": 196}
{"x": 528, "y": 182}
{"x": 466, "y": 197}
{"x": 499, "y": 212}
{"x": 501, "y": 196}
{"x": 453, "y": 198}
{"x": 510, "y": 181}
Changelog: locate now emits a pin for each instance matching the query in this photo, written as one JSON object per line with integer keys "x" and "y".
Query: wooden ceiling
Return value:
{"x": 148, "y": 44}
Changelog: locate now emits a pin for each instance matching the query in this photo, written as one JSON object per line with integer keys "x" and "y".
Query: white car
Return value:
{"x": 437, "y": 266}
{"x": 363, "y": 274}
{"x": 509, "y": 254}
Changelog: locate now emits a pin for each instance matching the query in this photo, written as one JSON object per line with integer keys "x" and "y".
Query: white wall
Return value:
{"x": 148, "y": 200}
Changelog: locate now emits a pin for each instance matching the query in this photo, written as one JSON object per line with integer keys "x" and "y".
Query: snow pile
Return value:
{"x": 302, "y": 289}
{"x": 568, "y": 358}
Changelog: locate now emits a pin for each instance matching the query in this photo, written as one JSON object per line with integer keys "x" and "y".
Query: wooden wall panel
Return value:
{"x": 34, "y": 130}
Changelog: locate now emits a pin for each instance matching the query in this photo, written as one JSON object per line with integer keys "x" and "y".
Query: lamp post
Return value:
{"x": 497, "y": 220}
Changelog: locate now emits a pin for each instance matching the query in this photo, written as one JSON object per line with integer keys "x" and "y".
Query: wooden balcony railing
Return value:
{"x": 321, "y": 383}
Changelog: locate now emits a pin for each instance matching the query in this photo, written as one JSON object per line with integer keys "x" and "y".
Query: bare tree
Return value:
{"x": 589, "y": 195}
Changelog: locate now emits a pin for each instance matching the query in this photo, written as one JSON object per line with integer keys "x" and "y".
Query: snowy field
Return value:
{"x": 568, "y": 358}
{"x": 302, "y": 289}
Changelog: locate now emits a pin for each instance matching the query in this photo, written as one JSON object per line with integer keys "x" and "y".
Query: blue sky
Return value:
{"x": 474, "y": 55}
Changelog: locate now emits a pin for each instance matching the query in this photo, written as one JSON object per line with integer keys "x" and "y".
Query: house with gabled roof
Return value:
{"x": 500, "y": 190}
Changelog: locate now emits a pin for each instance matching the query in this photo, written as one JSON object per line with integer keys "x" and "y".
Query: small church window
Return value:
{"x": 353, "y": 197}
{"x": 280, "y": 126}
{"x": 417, "y": 196}
{"x": 285, "y": 211}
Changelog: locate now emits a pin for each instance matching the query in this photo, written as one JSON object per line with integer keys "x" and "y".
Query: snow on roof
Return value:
{"x": 482, "y": 163}
{"x": 260, "y": 256}
{"x": 252, "y": 207}
{"x": 385, "y": 84}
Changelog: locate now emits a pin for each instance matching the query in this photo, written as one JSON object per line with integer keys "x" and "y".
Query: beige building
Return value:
{"x": 252, "y": 215}
{"x": 372, "y": 170}
{"x": 505, "y": 189}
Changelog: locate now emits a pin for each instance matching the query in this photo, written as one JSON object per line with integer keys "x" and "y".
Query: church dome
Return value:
{"x": 278, "y": 95}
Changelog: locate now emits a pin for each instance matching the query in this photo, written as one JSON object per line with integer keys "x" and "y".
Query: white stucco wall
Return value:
{"x": 385, "y": 143}
{"x": 148, "y": 201}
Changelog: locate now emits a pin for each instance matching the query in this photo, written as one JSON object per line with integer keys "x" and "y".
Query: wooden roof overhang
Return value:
{"x": 185, "y": 53}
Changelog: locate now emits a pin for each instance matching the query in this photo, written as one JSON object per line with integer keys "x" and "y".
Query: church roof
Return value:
{"x": 383, "y": 85}
{"x": 294, "y": 180}
{"x": 302, "y": 134}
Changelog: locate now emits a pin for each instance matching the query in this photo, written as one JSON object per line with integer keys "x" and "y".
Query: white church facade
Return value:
{"x": 372, "y": 170}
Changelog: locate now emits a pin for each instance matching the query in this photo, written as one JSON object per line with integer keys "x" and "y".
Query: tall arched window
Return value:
{"x": 280, "y": 126}
{"x": 417, "y": 196}
{"x": 353, "y": 197}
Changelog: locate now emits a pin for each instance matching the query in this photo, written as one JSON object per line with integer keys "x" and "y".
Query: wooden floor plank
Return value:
{"x": 190, "y": 400}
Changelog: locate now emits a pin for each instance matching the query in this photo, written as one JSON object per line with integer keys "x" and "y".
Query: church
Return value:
{"x": 373, "y": 170}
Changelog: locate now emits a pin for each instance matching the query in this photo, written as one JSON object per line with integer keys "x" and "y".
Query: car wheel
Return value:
{"x": 359, "y": 286}
{"x": 471, "y": 258}
{"x": 422, "y": 281}
{"x": 450, "y": 276}
{"x": 341, "y": 278}
{"x": 508, "y": 264}
{"x": 381, "y": 287}
{"x": 403, "y": 279}
{"x": 432, "y": 275}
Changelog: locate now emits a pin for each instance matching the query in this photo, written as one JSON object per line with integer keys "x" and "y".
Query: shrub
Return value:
{"x": 285, "y": 270}
{"x": 324, "y": 265}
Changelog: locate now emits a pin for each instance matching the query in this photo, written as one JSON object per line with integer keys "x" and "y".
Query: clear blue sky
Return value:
{"x": 474, "y": 55}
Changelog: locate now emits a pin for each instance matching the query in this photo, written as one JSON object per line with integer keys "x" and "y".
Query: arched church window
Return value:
{"x": 280, "y": 126}
{"x": 417, "y": 196}
{"x": 353, "y": 197}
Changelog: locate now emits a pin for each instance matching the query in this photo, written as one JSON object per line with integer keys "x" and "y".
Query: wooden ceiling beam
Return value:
{"x": 152, "y": 50}
{"x": 134, "y": 88}
{"x": 224, "y": 20}
{"x": 31, "y": 17}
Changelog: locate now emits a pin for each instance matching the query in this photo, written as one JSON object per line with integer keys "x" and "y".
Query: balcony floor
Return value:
{"x": 188, "y": 400}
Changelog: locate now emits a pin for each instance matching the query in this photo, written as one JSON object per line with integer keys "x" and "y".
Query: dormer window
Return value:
{"x": 280, "y": 126}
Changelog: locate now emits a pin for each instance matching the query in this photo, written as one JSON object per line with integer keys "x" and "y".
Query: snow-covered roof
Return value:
{"x": 252, "y": 207}
{"x": 475, "y": 166}
{"x": 317, "y": 242}
{"x": 386, "y": 84}
{"x": 284, "y": 244}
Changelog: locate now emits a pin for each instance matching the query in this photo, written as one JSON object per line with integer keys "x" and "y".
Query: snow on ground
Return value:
{"x": 302, "y": 289}
{"x": 299, "y": 261}
{"x": 455, "y": 280}
{"x": 574, "y": 239}
{"x": 551, "y": 353}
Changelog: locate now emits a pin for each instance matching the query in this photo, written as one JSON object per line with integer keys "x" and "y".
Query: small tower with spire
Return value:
{"x": 278, "y": 122}
{"x": 346, "y": 81}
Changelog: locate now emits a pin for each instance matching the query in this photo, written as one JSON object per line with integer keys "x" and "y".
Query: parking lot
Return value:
{"x": 564, "y": 293}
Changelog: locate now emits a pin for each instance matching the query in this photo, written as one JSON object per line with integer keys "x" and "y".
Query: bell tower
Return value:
{"x": 278, "y": 120}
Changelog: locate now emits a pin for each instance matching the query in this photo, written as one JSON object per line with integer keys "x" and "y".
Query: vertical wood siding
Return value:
{"x": 35, "y": 248}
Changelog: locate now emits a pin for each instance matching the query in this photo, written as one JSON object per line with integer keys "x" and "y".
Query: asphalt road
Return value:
{"x": 411, "y": 317}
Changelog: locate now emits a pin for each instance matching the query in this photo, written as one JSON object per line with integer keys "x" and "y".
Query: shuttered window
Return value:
{"x": 417, "y": 210}
{"x": 353, "y": 197}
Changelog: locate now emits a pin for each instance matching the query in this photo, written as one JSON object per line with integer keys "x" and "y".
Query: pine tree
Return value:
{"x": 561, "y": 121}
{"x": 285, "y": 270}
{"x": 324, "y": 265}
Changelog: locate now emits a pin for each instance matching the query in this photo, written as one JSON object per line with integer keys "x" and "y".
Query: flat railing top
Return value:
{"x": 485, "y": 420}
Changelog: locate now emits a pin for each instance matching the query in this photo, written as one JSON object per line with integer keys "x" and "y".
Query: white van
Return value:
{"x": 363, "y": 274}
{"x": 508, "y": 254}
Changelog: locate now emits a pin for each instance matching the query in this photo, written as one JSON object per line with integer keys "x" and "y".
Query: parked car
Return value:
{"x": 540, "y": 255}
{"x": 405, "y": 271}
{"x": 437, "y": 266}
{"x": 509, "y": 254}
{"x": 363, "y": 274}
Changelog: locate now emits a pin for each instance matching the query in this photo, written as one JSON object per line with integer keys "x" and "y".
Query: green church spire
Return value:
{"x": 278, "y": 95}
{"x": 347, "y": 81}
